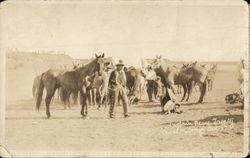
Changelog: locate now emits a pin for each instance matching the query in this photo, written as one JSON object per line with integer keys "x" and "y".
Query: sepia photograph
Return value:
{"x": 108, "y": 78}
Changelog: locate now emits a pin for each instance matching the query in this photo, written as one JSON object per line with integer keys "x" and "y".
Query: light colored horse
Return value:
{"x": 241, "y": 75}
{"x": 135, "y": 81}
{"x": 100, "y": 83}
{"x": 210, "y": 76}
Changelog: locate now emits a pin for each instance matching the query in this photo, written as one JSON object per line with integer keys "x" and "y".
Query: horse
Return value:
{"x": 210, "y": 76}
{"x": 99, "y": 83}
{"x": 97, "y": 86}
{"x": 240, "y": 72}
{"x": 71, "y": 81}
{"x": 135, "y": 82}
{"x": 170, "y": 75}
{"x": 67, "y": 97}
{"x": 240, "y": 78}
{"x": 178, "y": 77}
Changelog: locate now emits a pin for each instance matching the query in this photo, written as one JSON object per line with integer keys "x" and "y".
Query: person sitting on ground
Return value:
{"x": 169, "y": 104}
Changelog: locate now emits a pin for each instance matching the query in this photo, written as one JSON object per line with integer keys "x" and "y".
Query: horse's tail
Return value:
{"x": 40, "y": 93}
{"x": 34, "y": 89}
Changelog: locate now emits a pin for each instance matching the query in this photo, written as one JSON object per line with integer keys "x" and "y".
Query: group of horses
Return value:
{"x": 187, "y": 77}
{"x": 89, "y": 83}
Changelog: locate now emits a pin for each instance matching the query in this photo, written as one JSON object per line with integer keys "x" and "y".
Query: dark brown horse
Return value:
{"x": 169, "y": 75}
{"x": 71, "y": 81}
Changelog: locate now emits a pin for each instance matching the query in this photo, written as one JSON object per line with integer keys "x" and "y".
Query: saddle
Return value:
{"x": 234, "y": 98}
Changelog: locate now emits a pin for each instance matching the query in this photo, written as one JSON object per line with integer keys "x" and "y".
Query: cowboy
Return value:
{"x": 169, "y": 103}
{"x": 117, "y": 84}
{"x": 151, "y": 85}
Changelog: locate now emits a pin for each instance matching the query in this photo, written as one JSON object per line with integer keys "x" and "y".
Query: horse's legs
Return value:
{"x": 94, "y": 96}
{"x": 105, "y": 99}
{"x": 75, "y": 97}
{"x": 189, "y": 86}
{"x": 58, "y": 94}
{"x": 178, "y": 89}
{"x": 86, "y": 108}
{"x": 172, "y": 87}
{"x": 101, "y": 98}
{"x": 140, "y": 91}
{"x": 49, "y": 95}
{"x": 155, "y": 90}
{"x": 203, "y": 91}
{"x": 68, "y": 99}
{"x": 89, "y": 96}
{"x": 209, "y": 85}
{"x": 195, "y": 87}
{"x": 150, "y": 90}
{"x": 185, "y": 91}
{"x": 83, "y": 99}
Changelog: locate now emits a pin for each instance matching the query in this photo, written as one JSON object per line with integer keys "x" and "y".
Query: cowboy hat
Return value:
{"x": 120, "y": 63}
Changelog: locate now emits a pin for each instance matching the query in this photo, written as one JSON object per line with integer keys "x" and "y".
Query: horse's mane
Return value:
{"x": 90, "y": 65}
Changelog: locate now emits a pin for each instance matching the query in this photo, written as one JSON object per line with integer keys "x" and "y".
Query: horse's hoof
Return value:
{"x": 200, "y": 101}
{"x": 85, "y": 117}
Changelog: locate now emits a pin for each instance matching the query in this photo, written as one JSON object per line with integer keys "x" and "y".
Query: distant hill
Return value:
{"x": 36, "y": 61}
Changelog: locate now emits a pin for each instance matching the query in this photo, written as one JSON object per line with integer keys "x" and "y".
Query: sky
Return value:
{"x": 178, "y": 31}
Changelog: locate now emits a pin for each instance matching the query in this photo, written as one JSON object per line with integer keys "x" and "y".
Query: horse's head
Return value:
{"x": 185, "y": 65}
{"x": 99, "y": 63}
{"x": 196, "y": 71}
{"x": 109, "y": 62}
{"x": 203, "y": 65}
{"x": 214, "y": 67}
{"x": 157, "y": 62}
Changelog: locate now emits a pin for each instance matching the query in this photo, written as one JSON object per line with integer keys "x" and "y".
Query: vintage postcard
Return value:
{"x": 120, "y": 78}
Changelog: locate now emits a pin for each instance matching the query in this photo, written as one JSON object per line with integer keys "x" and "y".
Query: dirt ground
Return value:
{"x": 207, "y": 127}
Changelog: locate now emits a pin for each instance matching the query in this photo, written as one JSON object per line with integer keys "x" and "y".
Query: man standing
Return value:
{"x": 151, "y": 85}
{"x": 117, "y": 84}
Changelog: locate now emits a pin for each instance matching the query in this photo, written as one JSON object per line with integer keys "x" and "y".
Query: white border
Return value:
{"x": 22, "y": 153}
